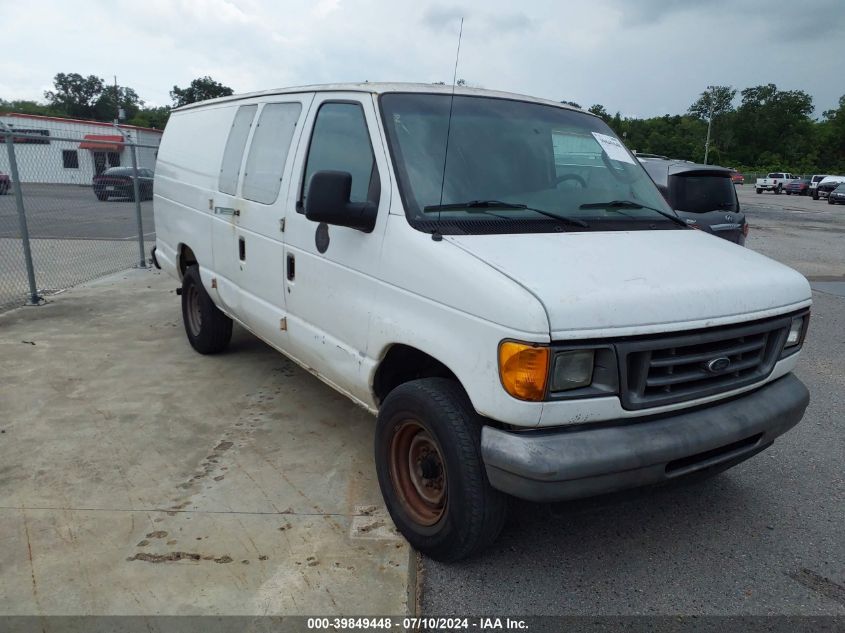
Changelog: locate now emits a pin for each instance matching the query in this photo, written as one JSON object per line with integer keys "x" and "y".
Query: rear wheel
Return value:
{"x": 432, "y": 477}
{"x": 209, "y": 330}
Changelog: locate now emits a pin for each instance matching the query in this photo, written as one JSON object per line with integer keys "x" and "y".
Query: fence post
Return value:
{"x": 137, "y": 195}
{"x": 34, "y": 299}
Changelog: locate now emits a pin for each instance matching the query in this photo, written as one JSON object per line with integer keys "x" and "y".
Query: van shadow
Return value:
{"x": 637, "y": 536}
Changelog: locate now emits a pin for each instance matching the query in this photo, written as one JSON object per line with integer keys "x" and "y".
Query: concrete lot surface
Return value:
{"x": 807, "y": 234}
{"x": 138, "y": 477}
{"x": 73, "y": 236}
{"x": 73, "y": 212}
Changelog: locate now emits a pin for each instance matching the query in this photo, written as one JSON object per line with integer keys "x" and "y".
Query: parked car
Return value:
{"x": 774, "y": 182}
{"x": 5, "y": 183}
{"x": 737, "y": 178}
{"x": 828, "y": 184}
{"x": 117, "y": 182}
{"x": 524, "y": 313}
{"x": 837, "y": 196}
{"x": 815, "y": 179}
{"x": 800, "y": 187}
{"x": 703, "y": 195}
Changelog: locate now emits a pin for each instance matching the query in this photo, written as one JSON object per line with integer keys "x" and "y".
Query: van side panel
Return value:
{"x": 457, "y": 309}
{"x": 186, "y": 179}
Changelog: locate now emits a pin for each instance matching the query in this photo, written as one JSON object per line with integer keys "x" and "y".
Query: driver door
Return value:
{"x": 331, "y": 270}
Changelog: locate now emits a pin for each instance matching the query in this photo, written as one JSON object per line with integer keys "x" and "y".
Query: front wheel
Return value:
{"x": 759, "y": 190}
{"x": 432, "y": 477}
{"x": 830, "y": 200}
{"x": 209, "y": 330}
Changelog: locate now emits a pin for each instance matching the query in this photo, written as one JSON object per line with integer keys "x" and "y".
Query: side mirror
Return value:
{"x": 328, "y": 201}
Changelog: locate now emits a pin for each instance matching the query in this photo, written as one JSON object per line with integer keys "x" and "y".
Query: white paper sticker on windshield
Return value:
{"x": 613, "y": 148}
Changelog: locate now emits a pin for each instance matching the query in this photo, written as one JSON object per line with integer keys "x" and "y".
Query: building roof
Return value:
{"x": 381, "y": 88}
{"x": 41, "y": 117}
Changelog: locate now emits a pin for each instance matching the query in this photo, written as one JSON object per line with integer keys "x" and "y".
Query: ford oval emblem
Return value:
{"x": 720, "y": 364}
{"x": 729, "y": 217}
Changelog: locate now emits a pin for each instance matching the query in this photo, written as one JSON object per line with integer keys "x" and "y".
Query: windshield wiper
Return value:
{"x": 498, "y": 204}
{"x": 630, "y": 204}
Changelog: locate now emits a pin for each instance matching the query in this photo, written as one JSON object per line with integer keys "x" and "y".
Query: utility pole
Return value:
{"x": 709, "y": 124}
{"x": 117, "y": 104}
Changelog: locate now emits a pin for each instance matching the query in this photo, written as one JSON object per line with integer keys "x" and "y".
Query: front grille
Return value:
{"x": 663, "y": 370}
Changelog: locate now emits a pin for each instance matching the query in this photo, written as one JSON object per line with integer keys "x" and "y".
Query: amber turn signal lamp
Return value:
{"x": 524, "y": 369}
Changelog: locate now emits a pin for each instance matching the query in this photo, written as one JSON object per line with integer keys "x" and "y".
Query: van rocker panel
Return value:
{"x": 570, "y": 463}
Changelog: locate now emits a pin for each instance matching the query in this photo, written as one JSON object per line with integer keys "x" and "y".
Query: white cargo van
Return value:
{"x": 495, "y": 276}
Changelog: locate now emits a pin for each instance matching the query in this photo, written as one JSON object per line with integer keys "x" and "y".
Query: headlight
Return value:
{"x": 572, "y": 369}
{"x": 797, "y": 331}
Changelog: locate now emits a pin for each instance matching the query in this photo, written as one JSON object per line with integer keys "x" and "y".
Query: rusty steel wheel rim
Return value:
{"x": 194, "y": 312}
{"x": 418, "y": 472}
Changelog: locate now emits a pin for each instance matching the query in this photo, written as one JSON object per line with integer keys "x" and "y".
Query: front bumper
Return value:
{"x": 553, "y": 465}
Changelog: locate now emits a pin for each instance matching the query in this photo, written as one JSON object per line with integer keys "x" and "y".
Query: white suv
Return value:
{"x": 495, "y": 276}
{"x": 815, "y": 179}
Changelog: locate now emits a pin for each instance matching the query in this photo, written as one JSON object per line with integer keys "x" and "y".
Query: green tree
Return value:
{"x": 151, "y": 117}
{"x": 599, "y": 110}
{"x": 199, "y": 89}
{"x": 720, "y": 98}
{"x": 572, "y": 103}
{"x": 773, "y": 126}
{"x": 24, "y": 106}
{"x": 114, "y": 97}
{"x": 710, "y": 106}
{"x": 830, "y": 138}
{"x": 74, "y": 94}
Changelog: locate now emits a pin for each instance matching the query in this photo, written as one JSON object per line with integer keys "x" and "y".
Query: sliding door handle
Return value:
{"x": 291, "y": 267}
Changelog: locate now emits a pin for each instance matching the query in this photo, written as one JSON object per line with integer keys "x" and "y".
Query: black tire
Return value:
{"x": 759, "y": 191}
{"x": 815, "y": 196}
{"x": 777, "y": 191}
{"x": 102, "y": 197}
{"x": 208, "y": 329}
{"x": 470, "y": 513}
{"x": 830, "y": 200}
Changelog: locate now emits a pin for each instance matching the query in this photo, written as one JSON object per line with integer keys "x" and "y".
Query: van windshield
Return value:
{"x": 514, "y": 167}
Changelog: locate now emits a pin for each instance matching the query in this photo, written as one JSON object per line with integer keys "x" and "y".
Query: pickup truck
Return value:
{"x": 774, "y": 182}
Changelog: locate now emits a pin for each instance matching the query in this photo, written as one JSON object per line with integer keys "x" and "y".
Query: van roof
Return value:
{"x": 381, "y": 88}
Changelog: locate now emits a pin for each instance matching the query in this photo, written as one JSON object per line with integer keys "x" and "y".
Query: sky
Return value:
{"x": 639, "y": 57}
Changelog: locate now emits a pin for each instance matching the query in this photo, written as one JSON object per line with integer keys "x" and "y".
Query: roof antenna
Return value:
{"x": 436, "y": 235}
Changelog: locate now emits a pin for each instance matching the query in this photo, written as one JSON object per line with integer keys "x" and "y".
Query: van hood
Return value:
{"x": 619, "y": 283}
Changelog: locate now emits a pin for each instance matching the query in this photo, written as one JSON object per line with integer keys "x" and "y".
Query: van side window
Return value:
{"x": 341, "y": 142}
{"x": 233, "y": 154}
{"x": 268, "y": 151}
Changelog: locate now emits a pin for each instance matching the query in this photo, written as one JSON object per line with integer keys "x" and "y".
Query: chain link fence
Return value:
{"x": 73, "y": 206}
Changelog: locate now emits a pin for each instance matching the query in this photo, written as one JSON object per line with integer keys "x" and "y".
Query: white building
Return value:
{"x": 72, "y": 151}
